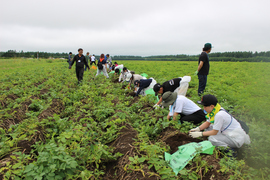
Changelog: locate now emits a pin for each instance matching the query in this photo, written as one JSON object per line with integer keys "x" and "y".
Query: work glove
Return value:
{"x": 156, "y": 106}
{"x": 196, "y": 73}
{"x": 195, "y": 134}
{"x": 197, "y": 129}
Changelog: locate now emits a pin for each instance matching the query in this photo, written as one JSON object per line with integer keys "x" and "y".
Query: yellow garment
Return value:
{"x": 211, "y": 115}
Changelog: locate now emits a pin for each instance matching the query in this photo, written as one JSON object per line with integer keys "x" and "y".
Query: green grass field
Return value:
{"x": 51, "y": 128}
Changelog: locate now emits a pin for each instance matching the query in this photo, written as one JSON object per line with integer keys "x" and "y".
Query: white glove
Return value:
{"x": 156, "y": 106}
{"x": 195, "y": 134}
{"x": 197, "y": 129}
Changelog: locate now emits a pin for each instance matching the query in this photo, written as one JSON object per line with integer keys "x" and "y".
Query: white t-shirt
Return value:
{"x": 136, "y": 77}
{"x": 222, "y": 121}
{"x": 93, "y": 58}
{"x": 183, "y": 105}
{"x": 121, "y": 66}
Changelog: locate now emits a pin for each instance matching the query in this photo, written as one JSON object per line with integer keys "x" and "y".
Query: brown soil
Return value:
{"x": 44, "y": 91}
{"x": 18, "y": 116}
{"x": 55, "y": 108}
{"x": 175, "y": 138}
{"x": 131, "y": 94}
{"x": 115, "y": 101}
{"x": 115, "y": 80}
{"x": 25, "y": 146}
{"x": 124, "y": 86}
{"x": 40, "y": 82}
{"x": 12, "y": 96}
{"x": 124, "y": 145}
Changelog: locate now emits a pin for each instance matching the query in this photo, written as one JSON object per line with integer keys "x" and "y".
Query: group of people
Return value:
{"x": 82, "y": 63}
{"x": 220, "y": 126}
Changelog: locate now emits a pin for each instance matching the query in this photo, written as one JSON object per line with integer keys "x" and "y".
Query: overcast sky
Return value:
{"x": 141, "y": 27}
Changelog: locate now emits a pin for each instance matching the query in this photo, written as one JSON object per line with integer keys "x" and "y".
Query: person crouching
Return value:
{"x": 221, "y": 127}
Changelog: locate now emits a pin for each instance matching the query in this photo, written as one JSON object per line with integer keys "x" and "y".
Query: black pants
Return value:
{"x": 79, "y": 73}
{"x": 197, "y": 117}
{"x": 93, "y": 62}
{"x": 202, "y": 83}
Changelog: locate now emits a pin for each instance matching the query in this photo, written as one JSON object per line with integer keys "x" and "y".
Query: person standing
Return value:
{"x": 87, "y": 59}
{"x": 221, "y": 128}
{"x": 102, "y": 66}
{"x": 109, "y": 59}
{"x": 69, "y": 58}
{"x": 80, "y": 63}
{"x": 179, "y": 104}
{"x": 203, "y": 68}
{"x": 93, "y": 60}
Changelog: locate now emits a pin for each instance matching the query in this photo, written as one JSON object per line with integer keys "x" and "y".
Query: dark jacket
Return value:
{"x": 144, "y": 83}
{"x": 80, "y": 61}
{"x": 171, "y": 85}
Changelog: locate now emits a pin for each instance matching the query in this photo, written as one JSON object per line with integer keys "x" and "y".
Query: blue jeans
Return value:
{"x": 202, "y": 83}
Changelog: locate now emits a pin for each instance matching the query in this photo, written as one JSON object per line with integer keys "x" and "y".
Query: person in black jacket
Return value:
{"x": 80, "y": 62}
{"x": 142, "y": 84}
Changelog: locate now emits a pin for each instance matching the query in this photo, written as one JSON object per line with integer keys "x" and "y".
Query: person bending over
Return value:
{"x": 179, "y": 104}
{"x": 179, "y": 85}
{"x": 144, "y": 85}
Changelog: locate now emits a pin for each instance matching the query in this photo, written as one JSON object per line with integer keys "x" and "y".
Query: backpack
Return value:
{"x": 100, "y": 66}
{"x": 244, "y": 126}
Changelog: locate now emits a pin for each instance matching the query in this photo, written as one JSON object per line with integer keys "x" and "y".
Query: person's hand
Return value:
{"x": 156, "y": 106}
{"x": 197, "y": 129}
{"x": 196, "y": 73}
{"x": 168, "y": 117}
{"x": 195, "y": 134}
{"x": 69, "y": 67}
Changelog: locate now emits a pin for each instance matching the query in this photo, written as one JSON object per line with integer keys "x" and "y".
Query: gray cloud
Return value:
{"x": 134, "y": 27}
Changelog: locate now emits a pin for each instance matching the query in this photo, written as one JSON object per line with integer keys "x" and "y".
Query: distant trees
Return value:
{"x": 248, "y": 56}
{"x": 44, "y": 55}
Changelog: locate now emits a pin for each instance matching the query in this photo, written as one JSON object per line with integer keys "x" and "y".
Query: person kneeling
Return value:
{"x": 221, "y": 127}
{"x": 179, "y": 104}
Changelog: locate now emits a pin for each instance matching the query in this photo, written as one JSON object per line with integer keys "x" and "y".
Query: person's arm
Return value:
{"x": 210, "y": 133}
{"x": 85, "y": 62}
{"x": 200, "y": 66}
{"x": 138, "y": 92}
{"x": 175, "y": 114}
{"x": 169, "y": 116}
{"x": 72, "y": 62}
{"x": 204, "y": 125}
{"x": 160, "y": 100}
{"x": 120, "y": 77}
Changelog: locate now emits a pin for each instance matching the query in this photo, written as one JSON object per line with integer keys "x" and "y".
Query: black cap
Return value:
{"x": 136, "y": 82}
{"x": 208, "y": 100}
{"x": 156, "y": 88}
{"x": 80, "y": 49}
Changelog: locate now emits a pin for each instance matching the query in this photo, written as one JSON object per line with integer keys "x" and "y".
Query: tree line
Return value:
{"x": 248, "y": 56}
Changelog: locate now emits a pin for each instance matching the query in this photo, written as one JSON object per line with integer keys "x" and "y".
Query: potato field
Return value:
{"x": 52, "y": 128}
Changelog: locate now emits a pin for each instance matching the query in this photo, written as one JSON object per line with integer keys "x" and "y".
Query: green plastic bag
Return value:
{"x": 179, "y": 159}
{"x": 151, "y": 92}
{"x": 144, "y": 75}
